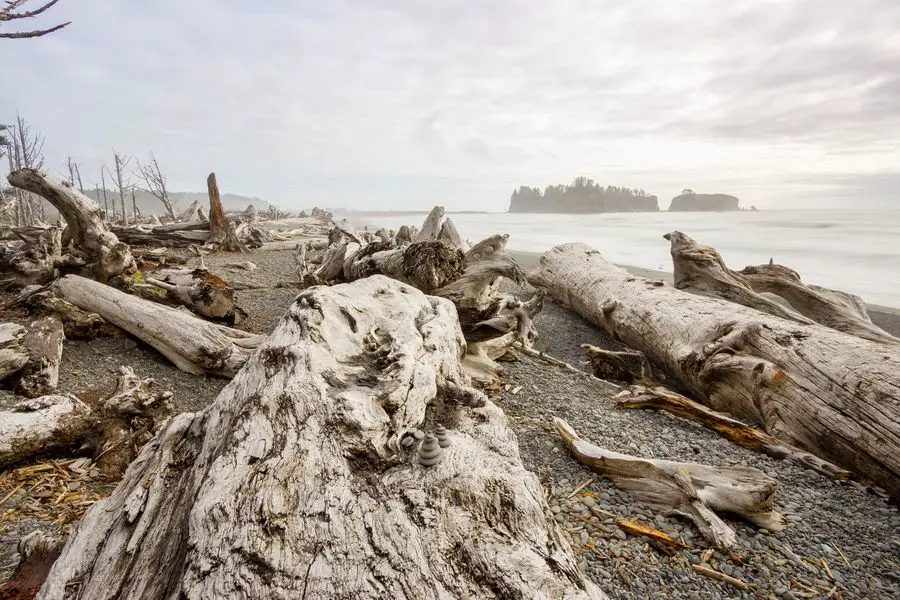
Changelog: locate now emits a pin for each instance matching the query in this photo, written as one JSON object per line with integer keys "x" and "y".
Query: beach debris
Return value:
{"x": 12, "y": 355}
{"x": 835, "y": 395}
{"x": 691, "y": 490}
{"x": 618, "y": 366}
{"x": 635, "y": 528}
{"x": 43, "y": 343}
{"x": 713, "y": 574}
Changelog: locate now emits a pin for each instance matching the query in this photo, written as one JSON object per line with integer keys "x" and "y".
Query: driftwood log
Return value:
{"x": 427, "y": 265}
{"x": 206, "y": 294}
{"x": 12, "y": 355}
{"x": 192, "y": 344}
{"x": 44, "y": 345}
{"x": 661, "y": 398}
{"x": 37, "y": 552}
{"x": 691, "y": 490}
{"x": 829, "y": 393}
{"x": 298, "y": 482}
{"x": 110, "y": 430}
{"x": 95, "y": 246}
{"x": 832, "y": 308}
{"x": 701, "y": 270}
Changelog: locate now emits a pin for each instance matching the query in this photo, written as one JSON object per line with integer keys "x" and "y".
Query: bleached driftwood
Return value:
{"x": 832, "y": 308}
{"x": 191, "y": 213}
{"x": 829, "y": 393}
{"x": 12, "y": 356}
{"x": 700, "y": 269}
{"x": 101, "y": 252}
{"x": 206, "y": 294}
{"x": 294, "y": 483}
{"x": 60, "y": 423}
{"x": 184, "y": 226}
{"x": 77, "y": 324}
{"x": 221, "y": 232}
{"x": 450, "y": 236}
{"x": 192, "y": 344}
{"x": 660, "y": 398}
{"x": 692, "y": 490}
{"x": 44, "y": 345}
{"x": 36, "y": 261}
{"x": 431, "y": 228}
{"x": 426, "y": 265}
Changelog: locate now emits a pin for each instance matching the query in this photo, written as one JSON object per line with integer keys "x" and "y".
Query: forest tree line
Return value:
{"x": 583, "y": 195}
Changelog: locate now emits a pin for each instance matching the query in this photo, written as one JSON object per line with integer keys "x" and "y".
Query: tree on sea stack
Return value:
{"x": 830, "y": 393}
{"x": 299, "y": 480}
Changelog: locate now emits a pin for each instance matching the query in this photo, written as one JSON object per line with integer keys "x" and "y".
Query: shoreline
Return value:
{"x": 886, "y": 317}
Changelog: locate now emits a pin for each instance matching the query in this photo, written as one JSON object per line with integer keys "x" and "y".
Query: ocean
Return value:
{"x": 854, "y": 251}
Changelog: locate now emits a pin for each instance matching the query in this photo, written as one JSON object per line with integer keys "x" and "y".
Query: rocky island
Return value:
{"x": 583, "y": 195}
{"x": 689, "y": 200}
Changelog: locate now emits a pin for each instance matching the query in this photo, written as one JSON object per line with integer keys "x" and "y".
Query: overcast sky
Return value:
{"x": 402, "y": 104}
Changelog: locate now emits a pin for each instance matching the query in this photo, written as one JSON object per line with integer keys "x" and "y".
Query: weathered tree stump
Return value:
{"x": 294, "y": 483}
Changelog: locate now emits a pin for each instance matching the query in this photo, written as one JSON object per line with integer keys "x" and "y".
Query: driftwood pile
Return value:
{"x": 351, "y": 456}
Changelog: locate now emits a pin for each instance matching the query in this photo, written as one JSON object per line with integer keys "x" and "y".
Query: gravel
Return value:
{"x": 854, "y": 532}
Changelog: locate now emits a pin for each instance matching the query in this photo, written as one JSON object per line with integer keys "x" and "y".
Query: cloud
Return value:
{"x": 341, "y": 102}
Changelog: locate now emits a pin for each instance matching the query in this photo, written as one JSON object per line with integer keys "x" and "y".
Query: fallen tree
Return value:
{"x": 302, "y": 479}
{"x": 206, "y": 294}
{"x": 832, "y": 394}
{"x": 95, "y": 250}
{"x": 110, "y": 430}
{"x": 192, "y": 344}
{"x": 701, "y": 270}
{"x": 692, "y": 490}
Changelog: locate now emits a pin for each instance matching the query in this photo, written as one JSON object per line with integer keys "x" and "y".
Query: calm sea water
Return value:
{"x": 856, "y": 251}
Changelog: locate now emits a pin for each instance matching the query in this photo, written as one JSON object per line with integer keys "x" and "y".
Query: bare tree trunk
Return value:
{"x": 105, "y": 200}
{"x": 121, "y": 162}
{"x": 832, "y": 394}
{"x": 221, "y": 232}
{"x": 297, "y": 482}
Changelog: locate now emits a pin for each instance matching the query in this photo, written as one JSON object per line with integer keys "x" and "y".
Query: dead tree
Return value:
{"x": 221, "y": 232}
{"x": 26, "y": 152}
{"x": 74, "y": 174}
{"x": 303, "y": 479}
{"x": 95, "y": 249}
{"x": 105, "y": 199}
{"x": 121, "y": 162}
{"x": 832, "y": 394}
{"x": 9, "y": 13}
{"x": 155, "y": 180}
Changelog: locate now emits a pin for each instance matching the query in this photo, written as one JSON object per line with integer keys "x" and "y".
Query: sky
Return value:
{"x": 403, "y": 104}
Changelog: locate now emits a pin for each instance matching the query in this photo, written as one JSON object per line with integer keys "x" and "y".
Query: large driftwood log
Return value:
{"x": 44, "y": 345}
{"x": 101, "y": 250}
{"x": 221, "y": 232}
{"x": 832, "y": 308}
{"x": 36, "y": 262}
{"x": 297, "y": 481}
{"x": 692, "y": 490}
{"x": 832, "y": 394}
{"x": 37, "y": 552}
{"x": 701, "y": 270}
{"x": 110, "y": 430}
{"x": 12, "y": 356}
{"x": 192, "y": 344}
